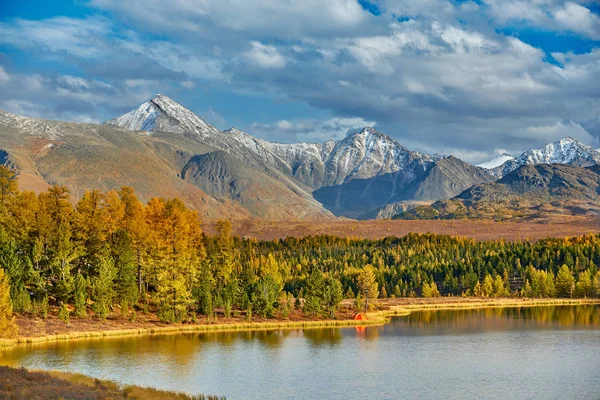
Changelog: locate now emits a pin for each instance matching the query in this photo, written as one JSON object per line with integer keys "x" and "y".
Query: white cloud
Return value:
{"x": 310, "y": 130}
{"x": 68, "y": 97}
{"x": 4, "y": 76}
{"x": 264, "y": 56}
{"x": 558, "y": 131}
{"x": 214, "y": 118}
{"x": 446, "y": 76}
{"x": 278, "y": 19}
{"x": 549, "y": 14}
{"x": 79, "y": 37}
{"x": 578, "y": 19}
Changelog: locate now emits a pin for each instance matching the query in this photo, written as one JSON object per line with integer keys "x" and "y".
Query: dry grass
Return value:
{"x": 22, "y": 384}
{"x": 551, "y": 226}
{"x": 33, "y": 330}
{"x": 36, "y": 330}
{"x": 404, "y": 306}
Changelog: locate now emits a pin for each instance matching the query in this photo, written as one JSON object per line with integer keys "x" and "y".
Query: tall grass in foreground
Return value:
{"x": 23, "y": 384}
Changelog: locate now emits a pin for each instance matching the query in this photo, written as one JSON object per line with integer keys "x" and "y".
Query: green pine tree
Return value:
{"x": 8, "y": 325}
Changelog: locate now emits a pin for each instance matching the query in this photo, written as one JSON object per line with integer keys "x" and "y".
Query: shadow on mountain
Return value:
{"x": 362, "y": 198}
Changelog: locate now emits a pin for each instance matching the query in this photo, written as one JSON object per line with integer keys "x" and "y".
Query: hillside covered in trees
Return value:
{"x": 110, "y": 253}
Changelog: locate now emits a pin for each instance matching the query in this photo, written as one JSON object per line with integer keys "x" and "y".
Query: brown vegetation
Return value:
{"x": 32, "y": 327}
{"x": 555, "y": 226}
{"x": 20, "y": 384}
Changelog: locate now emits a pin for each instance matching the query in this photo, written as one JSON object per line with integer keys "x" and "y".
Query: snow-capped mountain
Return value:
{"x": 163, "y": 114}
{"x": 374, "y": 167}
{"x": 359, "y": 155}
{"x": 564, "y": 151}
{"x": 496, "y": 161}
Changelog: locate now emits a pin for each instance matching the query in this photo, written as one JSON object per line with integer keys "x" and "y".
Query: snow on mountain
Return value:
{"x": 163, "y": 114}
{"x": 564, "y": 151}
{"x": 362, "y": 154}
{"x": 496, "y": 161}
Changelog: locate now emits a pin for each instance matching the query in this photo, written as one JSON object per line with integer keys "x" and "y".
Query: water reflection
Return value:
{"x": 433, "y": 354}
{"x": 322, "y": 337}
{"x": 496, "y": 319}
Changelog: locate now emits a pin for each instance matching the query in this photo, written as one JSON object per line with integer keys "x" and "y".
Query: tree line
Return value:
{"x": 108, "y": 252}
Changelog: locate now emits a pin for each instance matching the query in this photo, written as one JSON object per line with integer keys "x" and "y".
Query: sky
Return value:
{"x": 470, "y": 78}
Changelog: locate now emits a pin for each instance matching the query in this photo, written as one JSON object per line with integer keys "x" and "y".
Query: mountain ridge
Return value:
{"x": 564, "y": 151}
{"x": 174, "y": 152}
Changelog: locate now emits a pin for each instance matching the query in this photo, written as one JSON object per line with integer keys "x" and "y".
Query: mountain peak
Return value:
{"x": 496, "y": 161}
{"x": 161, "y": 113}
{"x": 368, "y": 129}
{"x": 567, "y": 139}
{"x": 563, "y": 151}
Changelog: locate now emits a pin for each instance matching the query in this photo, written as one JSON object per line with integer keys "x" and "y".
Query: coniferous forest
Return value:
{"x": 110, "y": 253}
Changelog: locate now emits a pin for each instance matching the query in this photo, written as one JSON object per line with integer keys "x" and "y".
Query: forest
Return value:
{"x": 109, "y": 253}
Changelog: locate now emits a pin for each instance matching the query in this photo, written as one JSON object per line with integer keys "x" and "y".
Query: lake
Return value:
{"x": 550, "y": 352}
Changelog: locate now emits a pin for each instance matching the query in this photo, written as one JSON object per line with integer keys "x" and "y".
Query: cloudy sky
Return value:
{"x": 469, "y": 78}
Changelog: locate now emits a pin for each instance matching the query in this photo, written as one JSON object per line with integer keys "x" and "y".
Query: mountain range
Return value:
{"x": 529, "y": 191}
{"x": 162, "y": 149}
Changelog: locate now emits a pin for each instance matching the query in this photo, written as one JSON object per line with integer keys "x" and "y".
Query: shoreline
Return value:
{"x": 375, "y": 318}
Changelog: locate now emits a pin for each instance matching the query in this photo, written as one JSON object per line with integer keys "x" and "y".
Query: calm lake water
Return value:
{"x": 502, "y": 353}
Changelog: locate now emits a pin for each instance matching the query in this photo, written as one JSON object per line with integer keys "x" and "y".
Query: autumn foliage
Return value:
{"x": 108, "y": 252}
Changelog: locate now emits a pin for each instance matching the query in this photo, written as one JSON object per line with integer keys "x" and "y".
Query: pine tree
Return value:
{"x": 349, "y": 293}
{"x": 265, "y": 295}
{"x": 8, "y": 325}
{"x": 367, "y": 285}
{"x": 134, "y": 223}
{"x": 499, "y": 289}
{"x": 488, "y": 286}
{"x": 126, "y": 269}
{"x": 103, "y": 291}
{"x": 203, "y": 291}
{"x": 314, "y": 293}
{"x": 80, "y": 296}
{"x": 332, "y": 296}
{"x": 565, "y": 283}
{"x": 224, "y": 254}
{"x": 383, "y": 294}
{"x": 584, "y": 286}
{"x": 430, "y": 290}
{"x": 64, "y": 314}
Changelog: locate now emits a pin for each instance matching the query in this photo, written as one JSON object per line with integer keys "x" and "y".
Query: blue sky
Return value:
{"x": 469, "y": 78}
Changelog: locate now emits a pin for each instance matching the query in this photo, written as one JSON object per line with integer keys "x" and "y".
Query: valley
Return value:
{"x": 550, "y": 226}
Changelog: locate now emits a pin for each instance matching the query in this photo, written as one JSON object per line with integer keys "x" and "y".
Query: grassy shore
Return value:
{"x": 35, "y": 330}
{"x": 406, "y": 306}
{"x": 19, "y": 383}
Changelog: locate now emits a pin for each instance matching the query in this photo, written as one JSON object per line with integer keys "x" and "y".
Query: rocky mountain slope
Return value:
{"x": 565, "y": 151}
{"x": 90, "y": 156}
{"x": 351, "y": 177}
{"x": 163, "y": 149}
{"x": 530, "y": 190}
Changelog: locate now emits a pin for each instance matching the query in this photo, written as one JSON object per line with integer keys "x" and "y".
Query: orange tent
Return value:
{"x": 360, "y": 317}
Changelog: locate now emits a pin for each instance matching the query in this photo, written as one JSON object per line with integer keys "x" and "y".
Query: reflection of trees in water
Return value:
{"x": 325, "y": 336}
{"x": 268, "y": 338}
{"x": 506, "y": 318}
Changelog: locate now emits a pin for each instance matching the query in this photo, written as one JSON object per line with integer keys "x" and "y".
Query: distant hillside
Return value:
{"x": 163, "y": 149}
{"x": 352, "y": 177}
{"x": 528, "y": 191}
{"x": 90, "y": 156}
